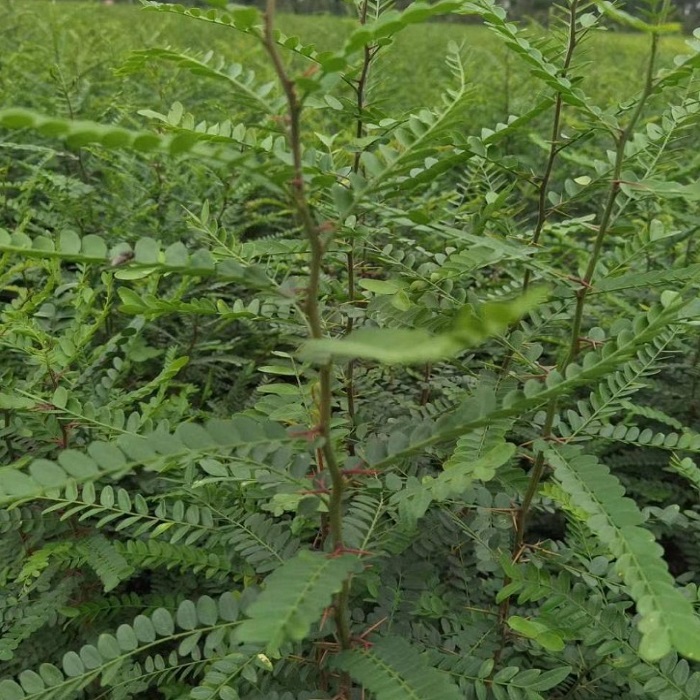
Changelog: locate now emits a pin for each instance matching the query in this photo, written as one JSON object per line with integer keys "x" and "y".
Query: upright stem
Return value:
{"x": 312, "y": 310}
{"x": 603, "y": 228}
{"x": 606, "y": 220}
{"x": 360, "y": 92}
{"x": 350, "y": 260}
{"x": 368, "y": 55}
{"x": 554, "y": 147}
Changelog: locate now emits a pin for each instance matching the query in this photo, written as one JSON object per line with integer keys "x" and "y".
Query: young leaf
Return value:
{"x": 391, "y": 346}
{"x": 392, "y": 669}
{"x": 295, "y": 596}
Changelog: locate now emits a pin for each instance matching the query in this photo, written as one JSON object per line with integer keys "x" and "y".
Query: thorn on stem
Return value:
{"x": 341, "y": 549}
{"x": 360, "y": 472}
{"x": 580, "y": 280}
{"x": 591, "y": 342}
{"x": 308, "y": 434}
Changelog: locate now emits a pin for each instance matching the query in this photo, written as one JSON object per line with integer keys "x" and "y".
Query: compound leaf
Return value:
{"x": 667, "y": 619}
{"x": 295, "y": 596}
{"x": 394, "y": 670}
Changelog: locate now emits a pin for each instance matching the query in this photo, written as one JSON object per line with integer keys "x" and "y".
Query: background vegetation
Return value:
{"x": 348, "y": 357}
{"x": 541, "y": 11}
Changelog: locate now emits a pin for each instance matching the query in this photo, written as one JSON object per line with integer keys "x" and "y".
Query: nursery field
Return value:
{"x": 348, "y": 358}
{"x": 80, "y": 44}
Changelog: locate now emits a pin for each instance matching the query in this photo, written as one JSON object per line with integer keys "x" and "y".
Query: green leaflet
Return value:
{"x": 150, "y": 306}
{"x": 389, "y": 23}
{"x": 635, "y": 23}
{"x": 687, "y": 469}
{"x": 461, "y": 471}
{"x": 482, "y": 408}
{"x": 664, "y": 188}
{"x": 245, "y": 19}
{"x": 642, "y": 280}
{"x": 242, "y": 82}
{"x": 106, "y": 560}
{"x": 224, "y": 674}
{"x": 295, "y": 596}
{"x": 171, "y": 535}
{"x": 612, "y": 394}
{"x": 411, "y": 346}
{"x": 477, "y": 443}
{"x": 146, "y": 258}
{"x": 507, "y": 683}
{"x": 542, "y": 68}
{"x": 129, "y": 451}
{"x": 83, "y": 133}
{"x": 540, "y": 633}
{"x": 387, "y": 345}
{"x": 12, "y": 402}
{"x": 105, "y": 657}
{"x": 394, "y": 670}
{"x": 566, "y": 600}
{"x": 668, "y": 620}
{"x": 248, "y": 20}
{"x": 410, "y": 158}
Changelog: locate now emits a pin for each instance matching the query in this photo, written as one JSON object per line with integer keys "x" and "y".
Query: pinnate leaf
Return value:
{"x": 667, "y": 618}
{"x": 410, "y": 346}
{"x": 295, "y": 596}
{"x": 393, "y": 670}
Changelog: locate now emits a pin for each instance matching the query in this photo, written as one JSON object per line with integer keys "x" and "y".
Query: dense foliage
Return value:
{"x": 360, "y": 370}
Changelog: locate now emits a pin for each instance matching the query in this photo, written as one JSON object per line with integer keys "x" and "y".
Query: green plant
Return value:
{"x": 356, "y": 418}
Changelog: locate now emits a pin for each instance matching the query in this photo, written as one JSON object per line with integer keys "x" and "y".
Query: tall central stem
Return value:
{"x": 312, "y": 309}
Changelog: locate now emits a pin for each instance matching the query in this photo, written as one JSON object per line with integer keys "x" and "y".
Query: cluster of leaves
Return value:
{"x": 309, "y": 396}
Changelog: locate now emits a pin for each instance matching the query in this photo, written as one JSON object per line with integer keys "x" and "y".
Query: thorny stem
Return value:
{"x": 554, "y": 145}
{"x": 575, "y": 340}
{"x": 312, "y": 311}
{"x": 425, "y": 394}
{"x": 607, "y": 216}
{"x": 555, "y": 148}
{"x": 581, "y": 295}
{"x": 360, "y": 91}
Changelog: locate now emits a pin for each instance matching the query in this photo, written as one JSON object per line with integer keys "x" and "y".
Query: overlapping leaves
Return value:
{"x": 667, "y": 618}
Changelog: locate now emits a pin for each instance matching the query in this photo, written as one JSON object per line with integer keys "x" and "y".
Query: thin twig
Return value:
{"x": 360, "y": 91}
{"x": 555, "y": 147}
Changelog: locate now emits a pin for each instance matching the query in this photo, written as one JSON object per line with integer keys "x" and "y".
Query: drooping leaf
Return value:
{"x": 625, "y": 18}
{"x": 387, "y": 345}
{"x": 82, "y": 133}
{"x": 411, "y": 346}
